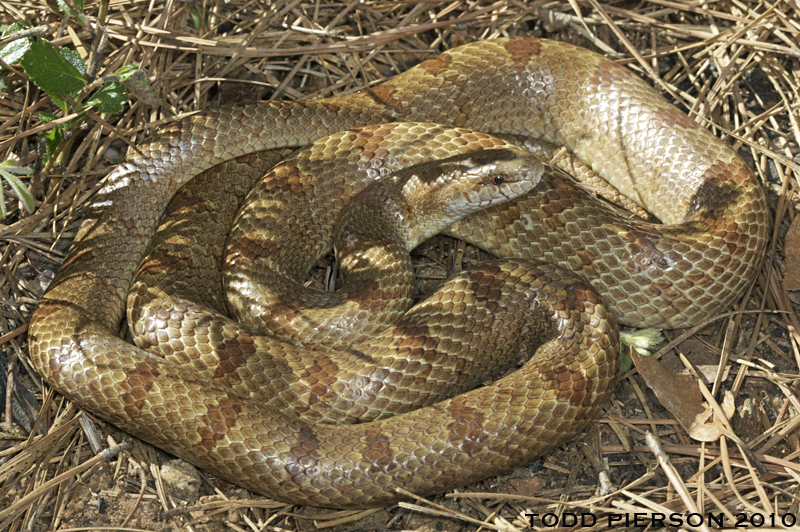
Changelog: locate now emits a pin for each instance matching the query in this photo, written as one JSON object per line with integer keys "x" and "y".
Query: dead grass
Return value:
{"x": 731, "y": 64}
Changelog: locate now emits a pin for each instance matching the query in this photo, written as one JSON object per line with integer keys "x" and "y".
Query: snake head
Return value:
{"x": 447, "y": 190}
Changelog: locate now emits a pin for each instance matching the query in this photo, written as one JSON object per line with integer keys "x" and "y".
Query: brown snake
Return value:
{"x": 649, "y": 275}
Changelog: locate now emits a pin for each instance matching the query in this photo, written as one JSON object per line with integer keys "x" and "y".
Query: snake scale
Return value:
{"x": 671, "y": 275}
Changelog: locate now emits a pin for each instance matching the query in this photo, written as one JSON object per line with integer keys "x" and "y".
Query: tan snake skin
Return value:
{"x": 399, "y": 369}
{"x": 663, "y": 276}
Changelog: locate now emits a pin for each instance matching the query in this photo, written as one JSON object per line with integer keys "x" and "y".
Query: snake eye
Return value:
{"x": 498, "y": 180}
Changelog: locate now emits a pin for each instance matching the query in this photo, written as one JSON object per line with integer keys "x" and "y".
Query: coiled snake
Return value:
{"x": 671, "y": 275}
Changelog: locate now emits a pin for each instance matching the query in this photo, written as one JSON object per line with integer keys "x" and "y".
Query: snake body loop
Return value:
{"x": 672, "y": 275}
{"x": 284, "y": 228}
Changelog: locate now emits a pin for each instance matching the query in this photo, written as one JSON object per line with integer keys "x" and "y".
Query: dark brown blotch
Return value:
{"x": 219, "y": 419}
{"x": 521, "y": 51}
{"x": 380, "y": 453}
{"x": 234, "y": 354}
{"x": 466, "y": 427}
{"x": 435, "y": 65}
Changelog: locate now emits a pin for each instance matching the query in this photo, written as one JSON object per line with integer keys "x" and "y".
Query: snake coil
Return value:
{"x": 671, "y": 275}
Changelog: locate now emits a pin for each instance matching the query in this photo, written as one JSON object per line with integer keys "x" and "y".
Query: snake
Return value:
{"x": 571, "y": 269}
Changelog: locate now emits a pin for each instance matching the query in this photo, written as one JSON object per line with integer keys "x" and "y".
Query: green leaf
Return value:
{"x": 21, "y": 191}
{"x": 68, "y": 10}
{"x": 8, "y": 169}
{"x": 127, "y": 68}
{"x": 75, "y": 59}
{"x": 54, "y": 135}
{"x": 79, "y": 16}
{"x": 46, "y": 118}
{"x": 195, "y": 18}
{"x": 137, "y": 82}
{"x": 60, "y": 102}
{"x": 11, "y": 28}
{"x": 111, "y": 98}
{"x": 13, "y": 52}
{"x": 50, "y": 70}
{"x": 52, "y": 139}
{"x": 11, "y": 167}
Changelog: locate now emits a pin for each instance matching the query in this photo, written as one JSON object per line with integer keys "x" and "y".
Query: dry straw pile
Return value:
{"x": 730, "y": 64}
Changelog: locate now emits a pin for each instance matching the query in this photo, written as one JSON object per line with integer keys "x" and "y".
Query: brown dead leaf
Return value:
{"x": 791, "y": 278}
{"x": 681, "y": 395}
{"x": 704, "y": 359}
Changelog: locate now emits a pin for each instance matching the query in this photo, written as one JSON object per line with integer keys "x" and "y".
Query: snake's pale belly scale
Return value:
{"x": 663, "y": 276}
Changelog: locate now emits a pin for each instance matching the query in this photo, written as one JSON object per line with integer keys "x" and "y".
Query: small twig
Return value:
{"x": 673, "y": 476}
{"x": 142, "y": 489}
{"x": 39, "y": 31}
{"x": 22, "y": 504}
{"x": 99, "y": 42}
{"x": 8, "y": 425}
{"x": 89, "y": 430}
